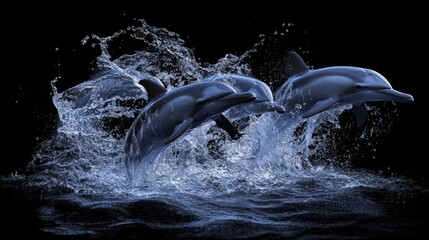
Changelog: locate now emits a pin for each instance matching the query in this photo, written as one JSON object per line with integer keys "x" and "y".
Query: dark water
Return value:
{"x": 307, "y": 208}
{"x": 284, "y": 178}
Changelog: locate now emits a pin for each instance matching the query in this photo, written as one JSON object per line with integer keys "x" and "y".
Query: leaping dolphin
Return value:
{"x": 309, "y": 92}
{"x": 173, "y": 114}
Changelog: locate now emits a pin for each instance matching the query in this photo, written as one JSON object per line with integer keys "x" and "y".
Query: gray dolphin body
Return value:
{"x": 309, "y": 92}
{"x": 173, "y": 114}
{"x": 264, "y": 98}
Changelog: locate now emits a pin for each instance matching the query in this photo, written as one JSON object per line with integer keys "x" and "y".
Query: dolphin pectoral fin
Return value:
{"x": 319, "y": 107}
{"x": 179, "y": 130}
{"x": 154, "y": 87}
{"x": 359, "y": 110}
{"x": 298, "y": 65}
{"x": 225, "y": 124}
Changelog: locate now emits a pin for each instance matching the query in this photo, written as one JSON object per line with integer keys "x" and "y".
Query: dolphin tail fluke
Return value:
{"x": 179, "y": 130}
{"x": 359, "y": 110}
{"x": 225, "y": 124}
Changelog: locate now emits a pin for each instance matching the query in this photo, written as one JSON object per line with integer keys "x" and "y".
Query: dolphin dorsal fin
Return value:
{"x": 153, "y": 88}
{"x": 298, "y": 65}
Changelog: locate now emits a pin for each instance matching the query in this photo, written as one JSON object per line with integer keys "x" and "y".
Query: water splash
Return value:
{"x": 204, "y": 178}
{"x": 88, "y": 153}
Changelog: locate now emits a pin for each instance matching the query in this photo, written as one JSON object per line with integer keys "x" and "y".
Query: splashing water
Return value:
{"x": 276, "y": 179}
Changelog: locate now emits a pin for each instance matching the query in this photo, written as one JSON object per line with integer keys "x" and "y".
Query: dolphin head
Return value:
{"x": 374, "y": 87}
{"x": 366, "y": 85}
{"x": 370, "y": 86}
{"x": 264, "y": 99}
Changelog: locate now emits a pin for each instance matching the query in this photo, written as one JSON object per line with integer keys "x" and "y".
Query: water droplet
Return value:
{"x": 298, "y": 106}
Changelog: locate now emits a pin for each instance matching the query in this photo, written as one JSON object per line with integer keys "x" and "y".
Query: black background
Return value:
{"x": 390, "y": 39}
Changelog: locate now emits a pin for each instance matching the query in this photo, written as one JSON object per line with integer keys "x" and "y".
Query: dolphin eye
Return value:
{"x": 358, "y": 87}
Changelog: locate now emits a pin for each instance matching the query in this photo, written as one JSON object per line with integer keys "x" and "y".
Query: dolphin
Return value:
{"x": 173, "y": 114}
{"x": 309, "y": 92}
